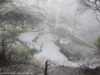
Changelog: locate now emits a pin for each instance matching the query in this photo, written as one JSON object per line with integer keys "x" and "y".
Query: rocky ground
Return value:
{"x": 29, "y": 69}
{"x": 37, "y": 69}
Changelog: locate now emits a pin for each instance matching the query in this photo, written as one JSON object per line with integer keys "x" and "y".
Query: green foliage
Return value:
{"x": 14, "y": 18}
{"x": 8, "y": 35}
{"x": 2, "y": 1}
{"x": 13, "y": 50}
{"x": 21, "y": 53}
{"x": 21, "y": 49}
{"x": 97, "y": 42}
{"x": 9, "y": 32}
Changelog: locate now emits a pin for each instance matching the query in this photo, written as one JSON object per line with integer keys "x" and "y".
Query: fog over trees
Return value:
{"x": 50, "y": 37}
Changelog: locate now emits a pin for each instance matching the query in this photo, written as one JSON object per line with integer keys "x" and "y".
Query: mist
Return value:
{"x": 58, "y": 29}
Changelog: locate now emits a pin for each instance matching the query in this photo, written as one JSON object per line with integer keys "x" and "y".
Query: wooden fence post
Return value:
{"x": 46, "y": 68}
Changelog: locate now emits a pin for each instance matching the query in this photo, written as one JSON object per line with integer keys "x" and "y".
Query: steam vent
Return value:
{"x": 49, "y": 37}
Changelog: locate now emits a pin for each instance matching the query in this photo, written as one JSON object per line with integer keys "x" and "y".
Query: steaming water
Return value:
{"x": 65, "y": 36}
{"x": 46, "y": 44}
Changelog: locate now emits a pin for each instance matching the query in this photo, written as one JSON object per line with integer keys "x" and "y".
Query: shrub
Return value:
{"x": 21, "y": 53}
{"x": 8, "y": 36}
{"x": 97, "y": 42}
{"x": 20, "y": 49}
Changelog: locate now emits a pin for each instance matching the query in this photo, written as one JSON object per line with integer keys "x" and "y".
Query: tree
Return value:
{"x": 7, "y": 37}
{"x": 97, "y": 42}
{"x": 91, "y": 4}
{"x": 2, "y": 1}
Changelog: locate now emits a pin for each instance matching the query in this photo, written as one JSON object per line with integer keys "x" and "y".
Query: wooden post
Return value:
{"x": 46, "y": 68}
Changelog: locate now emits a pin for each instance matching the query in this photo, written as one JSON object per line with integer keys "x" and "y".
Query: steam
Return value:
{"x": 64, "y": 33}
